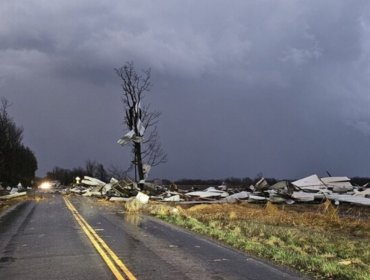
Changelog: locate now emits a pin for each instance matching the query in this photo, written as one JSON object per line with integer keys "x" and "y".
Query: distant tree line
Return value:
{"x": 246, "y": 182}
{"x": 231, "y": 181}
{"x": 17, "y": 162}
{"x": 360, "y": 181}
{"x": 97, "y": 170}
{"x": 68, "y": 176}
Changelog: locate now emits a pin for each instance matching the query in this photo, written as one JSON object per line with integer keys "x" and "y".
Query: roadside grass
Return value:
{"x": 319, "y": 243}
{"x": 133, "y": 206}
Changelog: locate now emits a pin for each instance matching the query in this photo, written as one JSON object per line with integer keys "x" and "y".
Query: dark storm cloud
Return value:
{"x": 279, "y": 87}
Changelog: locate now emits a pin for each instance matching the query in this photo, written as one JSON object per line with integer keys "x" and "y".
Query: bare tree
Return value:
{"x": 154, "y": 153}
{"x": 96, "y": 170}
{"x": 117, "y": 172}
{"x": 140, "y": 119}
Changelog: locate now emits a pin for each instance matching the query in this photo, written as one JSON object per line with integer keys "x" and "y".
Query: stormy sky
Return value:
{"x": 279, "y": 87}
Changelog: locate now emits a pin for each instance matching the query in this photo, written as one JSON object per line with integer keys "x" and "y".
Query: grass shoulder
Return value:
{"x": 320, "y": 243}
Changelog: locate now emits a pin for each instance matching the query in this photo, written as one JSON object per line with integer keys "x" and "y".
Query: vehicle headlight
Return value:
{"x": 45, "y": 186}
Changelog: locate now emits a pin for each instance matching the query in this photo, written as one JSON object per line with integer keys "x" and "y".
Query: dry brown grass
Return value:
{"x": 325, "y": 216}
{"x": 318, "y": 241}
{"x": 160, "y": 209}
{"x": 133, "y": 206}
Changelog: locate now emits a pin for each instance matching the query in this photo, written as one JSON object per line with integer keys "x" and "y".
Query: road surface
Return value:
{"x": 78, "y": 238}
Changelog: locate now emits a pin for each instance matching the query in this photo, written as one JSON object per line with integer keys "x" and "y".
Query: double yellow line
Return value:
{"x": 114, "y": 263}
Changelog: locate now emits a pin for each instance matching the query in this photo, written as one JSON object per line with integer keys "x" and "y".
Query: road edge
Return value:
{"x": 281, "y": 268}
{"x": 25, "y": 208}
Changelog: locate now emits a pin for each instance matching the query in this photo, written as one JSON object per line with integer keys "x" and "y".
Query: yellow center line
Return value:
{"x": 105, "y": 246}
{"x": 99, "y": 243}
{"x": 96, "y": 245}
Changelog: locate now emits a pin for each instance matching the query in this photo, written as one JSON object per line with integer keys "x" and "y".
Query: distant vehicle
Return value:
{"x": 48, "y": 187}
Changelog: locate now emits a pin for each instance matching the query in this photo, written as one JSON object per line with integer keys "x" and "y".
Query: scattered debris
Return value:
{"x": 310, "y": 184}
{"x": 237, "y": 197}
{"x": 174, "y": 198}
{"x": 79, "y": 190}
{"x": 115, "y": 198}
{"x": 210, "y": 192}
{"x": 13, "y": 191}
{"x": 253, "y": 198}
{"x": 311, "y": 189}
{"x": 358, "y": 200}
{"x": 142, "y": 197}
{"x": 92, "y": 181}
{"x": 302, "y": 196}
{"x": 261, "y": 185}
{"x": 365, "y": 193}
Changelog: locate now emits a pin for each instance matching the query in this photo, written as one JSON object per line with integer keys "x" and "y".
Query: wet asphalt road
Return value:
{"x": 42, "y": 240}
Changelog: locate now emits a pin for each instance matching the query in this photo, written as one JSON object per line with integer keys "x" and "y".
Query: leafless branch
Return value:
{"x": 134, "y": 86}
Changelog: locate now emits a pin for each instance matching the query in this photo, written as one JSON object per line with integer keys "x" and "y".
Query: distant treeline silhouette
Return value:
{"x": 97, "y": 170}
{"x": 17, "y": 162}
{"x": 67, "y": 176}
{"x": 232, "y": 181}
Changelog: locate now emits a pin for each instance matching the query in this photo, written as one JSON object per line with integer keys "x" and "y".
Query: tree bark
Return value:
{"x": 139, "y": 160}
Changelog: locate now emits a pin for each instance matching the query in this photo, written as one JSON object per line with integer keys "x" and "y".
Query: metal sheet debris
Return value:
{"x": 174, "y": 198}
{"x": 311, "y": 189}
{"x": 310, "y": 183}
{"x": 365, "y": 193}
{"x": 237, "y": 197}
{"x": 210, "y": 192}
{"x": 358, "y": 200}
{"x": 262, "y": 184}
{"x": 126, "y": 138}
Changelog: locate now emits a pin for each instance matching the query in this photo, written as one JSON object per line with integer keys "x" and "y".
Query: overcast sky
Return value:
{"x": 273, "y": 86}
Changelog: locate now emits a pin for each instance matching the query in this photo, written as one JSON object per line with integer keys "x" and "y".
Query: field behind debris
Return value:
{"x": 319, "y": 240}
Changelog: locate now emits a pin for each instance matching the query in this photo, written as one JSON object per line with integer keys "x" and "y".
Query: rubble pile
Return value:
{"x": 311, "y": 189}
{"x": 93, "y": 187}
